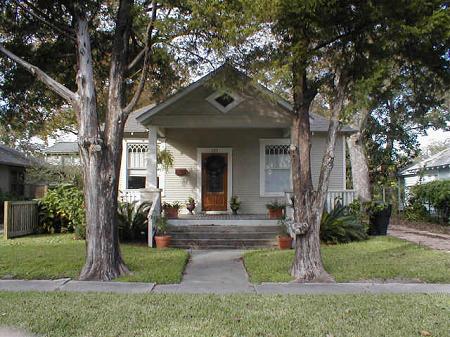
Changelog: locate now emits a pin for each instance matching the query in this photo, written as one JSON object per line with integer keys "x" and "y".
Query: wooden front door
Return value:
{"x": 214, "y": 181}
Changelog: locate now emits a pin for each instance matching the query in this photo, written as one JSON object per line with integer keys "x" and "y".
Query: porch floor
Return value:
{"x": 204, "y": 216}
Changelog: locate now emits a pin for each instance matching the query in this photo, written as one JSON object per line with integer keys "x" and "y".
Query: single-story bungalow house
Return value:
{"x": 230, "y": 136}
{"x": 436, "y": 167}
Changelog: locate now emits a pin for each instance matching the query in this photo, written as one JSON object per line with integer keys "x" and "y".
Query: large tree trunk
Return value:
{"x": 100, "y": 162}
{"x": 358, "y": 157}
{"x": 307, "y": 265}
{"x": 309, "y": 204}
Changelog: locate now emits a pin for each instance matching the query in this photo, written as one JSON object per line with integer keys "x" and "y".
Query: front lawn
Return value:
{"x": 90, "y": 314}
{"x": 381, "y": 258}
{"x": 58, "y": 256}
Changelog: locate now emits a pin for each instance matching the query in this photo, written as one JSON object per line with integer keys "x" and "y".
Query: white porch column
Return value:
{"x": 151, "y": 180}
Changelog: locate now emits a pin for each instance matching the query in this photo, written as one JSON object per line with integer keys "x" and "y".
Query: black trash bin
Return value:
{"x": 379, "y": 221}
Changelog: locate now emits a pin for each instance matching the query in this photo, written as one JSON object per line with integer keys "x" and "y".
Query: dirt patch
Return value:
{"x": 425, "y": 226}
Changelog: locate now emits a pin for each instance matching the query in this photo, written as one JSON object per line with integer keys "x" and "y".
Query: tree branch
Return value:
{"x": 145, "y": 67}
{"x": 44, "y": 20}
{"x": 55, "y": 86}
{"x": 328, "y": 158}
{"x": 136, "y": 60}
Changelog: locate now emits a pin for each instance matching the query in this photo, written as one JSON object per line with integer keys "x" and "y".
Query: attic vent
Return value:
{"x": 224, "y": 101}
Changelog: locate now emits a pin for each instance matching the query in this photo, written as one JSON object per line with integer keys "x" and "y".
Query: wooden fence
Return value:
{"x": 20, "y": 218}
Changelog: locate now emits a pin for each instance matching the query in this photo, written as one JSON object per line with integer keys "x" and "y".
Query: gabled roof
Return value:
{"x": 439, "y": 160}
{"x": 63, "y": 148}
{"x": 11, "y": 157}
{"x": 132, "y": 125}
{"x": 318, "y": 123}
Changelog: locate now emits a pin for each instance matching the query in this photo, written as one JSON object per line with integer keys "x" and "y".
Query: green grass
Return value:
{"x": 57, "y": 256}
{"x": 382, "y": 258}
{"x": 90, "y": 314}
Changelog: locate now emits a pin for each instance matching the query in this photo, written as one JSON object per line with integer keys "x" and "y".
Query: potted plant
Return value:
{"x": 171, "y": 209}
{"x": 190, "y": 205}
{"x": 284, "y": 239}
{"x": 161, "y": 238}
{"x": 275, "y": 209}
{"x": 235, "y": 204}
{"x": 379, "y": 216}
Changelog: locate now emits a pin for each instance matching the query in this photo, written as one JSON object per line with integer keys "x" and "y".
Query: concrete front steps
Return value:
{"x": 223, "y": 236}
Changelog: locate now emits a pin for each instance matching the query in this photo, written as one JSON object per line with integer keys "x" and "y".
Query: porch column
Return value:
{"x": 151, "y": 180}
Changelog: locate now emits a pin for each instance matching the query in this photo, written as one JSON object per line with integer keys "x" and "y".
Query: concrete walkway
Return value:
{"x": 212, "y": 271}
{"x": 436, "y": 241}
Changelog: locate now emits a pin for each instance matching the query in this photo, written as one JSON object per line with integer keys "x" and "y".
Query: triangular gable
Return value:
{"x": 191, "y": 106}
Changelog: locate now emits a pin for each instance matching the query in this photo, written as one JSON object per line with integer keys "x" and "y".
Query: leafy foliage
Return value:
{"x": 62, "y": 209}
{"x": 435, "y": 194}
{"x": 133, "y": 220}
{"x": 165, "y": 158}
{"x": 161, "y": 225}
{"x": 275, "y": 204}
{"x": 55, "y": 175}
{"x": 340, "y": 226}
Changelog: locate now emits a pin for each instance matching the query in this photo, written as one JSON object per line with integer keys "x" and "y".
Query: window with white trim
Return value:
{"x": 275, "y": 167}
{"x": 136, "y": 165}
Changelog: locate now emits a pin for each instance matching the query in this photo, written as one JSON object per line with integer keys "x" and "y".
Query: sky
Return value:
{"x": 433, "y": 136}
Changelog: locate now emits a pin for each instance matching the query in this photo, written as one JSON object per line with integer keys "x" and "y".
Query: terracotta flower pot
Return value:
{"x": 284, "y": 242}
{"x": 171, "y": 212}
{"x": 275, "y": 213}
{"x": 163, "y": 241}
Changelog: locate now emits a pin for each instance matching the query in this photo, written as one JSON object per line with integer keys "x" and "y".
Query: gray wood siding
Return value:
{"x": 183, "y": 144}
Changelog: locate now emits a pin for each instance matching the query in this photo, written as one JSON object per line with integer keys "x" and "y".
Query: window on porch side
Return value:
{"x": 136, "y": 165}
{"x": 275, "y": 167}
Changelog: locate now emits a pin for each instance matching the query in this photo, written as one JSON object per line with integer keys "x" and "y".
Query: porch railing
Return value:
{"x": 345, "y": 197}
{"x": 129, "y": 195}
{"x": 20, "y": 218}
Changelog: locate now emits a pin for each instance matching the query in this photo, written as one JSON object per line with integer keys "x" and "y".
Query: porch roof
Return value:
{"x": 259, "y": 107}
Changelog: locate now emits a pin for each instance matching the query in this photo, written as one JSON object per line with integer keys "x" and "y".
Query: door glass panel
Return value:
{"x": 215, "y": 169}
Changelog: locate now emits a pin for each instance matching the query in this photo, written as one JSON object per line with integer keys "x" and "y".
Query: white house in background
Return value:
{"x": 230, "y": 136}
{"x": 62, "y": 153}
{"x": 436, "y": 167}
{"x": 134, "y": 158}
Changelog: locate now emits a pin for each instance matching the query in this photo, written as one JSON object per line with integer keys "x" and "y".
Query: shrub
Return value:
{"x": 133, "y": 220}
{"x": 341, "y": 226}
{"x": 62, "y": 209}
{"x": 436, "y": 194}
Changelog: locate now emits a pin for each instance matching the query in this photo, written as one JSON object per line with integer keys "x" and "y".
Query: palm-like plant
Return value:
{"x": 340, "y": 226}
{"x": 133, "y": 220}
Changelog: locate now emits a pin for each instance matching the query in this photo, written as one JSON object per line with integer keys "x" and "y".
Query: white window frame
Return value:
{"x": 127, "y": 170}
{"x": 262, "y": 165}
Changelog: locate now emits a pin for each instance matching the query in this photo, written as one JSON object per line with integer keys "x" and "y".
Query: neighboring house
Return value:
{"x": 229, "y": 142}
{"x": 436, "y": 167}
{"x": 12, "y": 171}
{"x": 62, "y": 153}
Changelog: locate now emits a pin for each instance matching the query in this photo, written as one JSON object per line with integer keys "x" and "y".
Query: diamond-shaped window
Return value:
{"x": 224, "y": 100}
